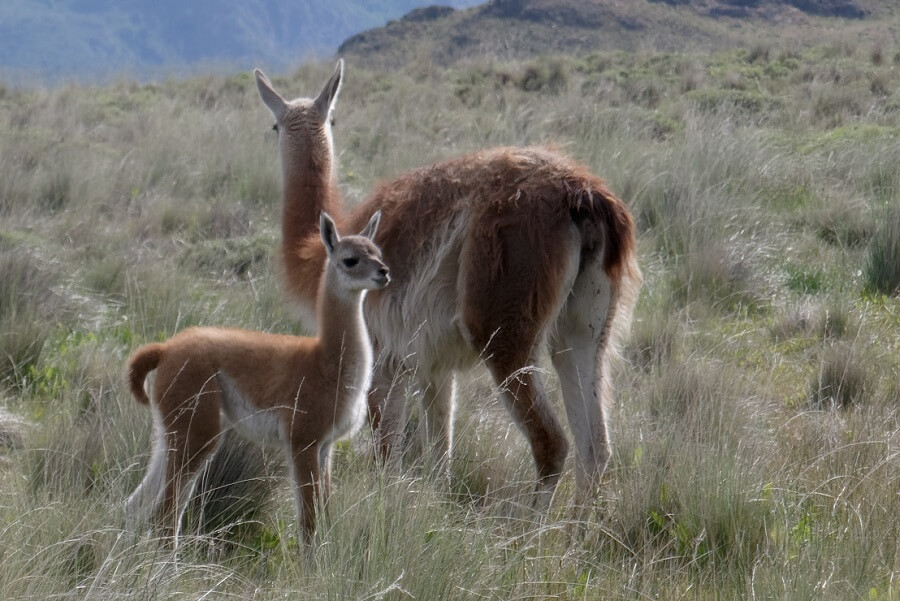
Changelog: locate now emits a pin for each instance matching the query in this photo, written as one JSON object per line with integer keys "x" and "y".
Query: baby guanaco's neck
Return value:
{"x": 342, "y": 335}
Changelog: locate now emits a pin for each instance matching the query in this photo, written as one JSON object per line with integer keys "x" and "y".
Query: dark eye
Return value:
{"x": 351, "y": 262}
{"x": 333, "y": 121}
{"x": 275, "y": 127}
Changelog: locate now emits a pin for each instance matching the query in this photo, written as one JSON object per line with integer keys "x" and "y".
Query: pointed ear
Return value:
{"x": 328, "y": 95}
{"x": 329, "y": 233}
{"x": 269, "y": 96}
{"x": 372, "y": 226}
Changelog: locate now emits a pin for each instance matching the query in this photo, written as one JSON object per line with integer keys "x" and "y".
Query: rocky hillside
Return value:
{"x": 520, "y": 28}
{"x": 845, "y": 9}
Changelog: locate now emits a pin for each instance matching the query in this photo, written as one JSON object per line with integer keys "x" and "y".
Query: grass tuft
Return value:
{"x": 882, "y": 270}
{"x": 13, "y": 431}
{"x": 720, "y": 277}
{"x": 837, "y": 321}
{"x": 842, "y": 222}
{"x": 843, "y": 379}
{"x": 806, "y": 281}
{"x": 794, "y": 320}
{"x": 654, "y": 341}
{"x": 27, "y": 300}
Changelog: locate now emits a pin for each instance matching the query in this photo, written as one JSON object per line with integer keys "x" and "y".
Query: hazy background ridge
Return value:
{"x": 87, "y": 39}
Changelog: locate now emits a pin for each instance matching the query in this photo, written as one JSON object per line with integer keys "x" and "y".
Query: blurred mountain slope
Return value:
{"x": 59, "y": 39}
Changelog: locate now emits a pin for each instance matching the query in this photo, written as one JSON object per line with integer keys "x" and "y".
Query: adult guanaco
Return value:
{"x": 301, "y": 393}
{"x": 496, "y": 256}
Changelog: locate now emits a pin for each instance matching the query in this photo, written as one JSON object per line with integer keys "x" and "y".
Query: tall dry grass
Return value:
{"x": 756, "y": 426}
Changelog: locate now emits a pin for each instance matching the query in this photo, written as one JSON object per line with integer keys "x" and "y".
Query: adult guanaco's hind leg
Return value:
{"x": 579, "y": 348}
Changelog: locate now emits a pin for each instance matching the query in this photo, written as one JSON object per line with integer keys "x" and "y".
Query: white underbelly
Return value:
{"x": 251, "y": 422}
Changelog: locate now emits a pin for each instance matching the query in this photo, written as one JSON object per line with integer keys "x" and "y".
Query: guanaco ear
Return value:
{"x": 328, "y": 95}
{"x": 372, "y": 226}
{"x": 329, "y": 233}
{"x": 269, "y": 96}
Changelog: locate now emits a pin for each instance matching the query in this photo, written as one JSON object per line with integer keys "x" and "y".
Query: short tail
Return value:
{"x": 605, "y": 223}
{"x": 142, "y": 362}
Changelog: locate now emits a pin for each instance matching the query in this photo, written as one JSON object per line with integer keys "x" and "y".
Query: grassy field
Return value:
{"x": 756, "y": 430}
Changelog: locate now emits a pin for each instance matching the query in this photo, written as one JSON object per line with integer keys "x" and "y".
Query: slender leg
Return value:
{"x": 523, "y": 392}
{"x": 387, "y": 408}
{"x": 325, "y": 453}
{"x": 579, "y": 355}
{"x": 507, "y": 305}
{"x": 325, "y": 467}
{"x": 304, "y": 461}
{"x": 185, "y": 468}
{"x": 145, "y": 499}
{"x": 438, "y": 405}
{"x": 193, "y": 434}
{"x": 581, "y": 378}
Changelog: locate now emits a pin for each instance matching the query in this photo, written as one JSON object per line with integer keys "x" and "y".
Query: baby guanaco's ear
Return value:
{"x": 329, "y": 233}
{"x": 372, "y": 226}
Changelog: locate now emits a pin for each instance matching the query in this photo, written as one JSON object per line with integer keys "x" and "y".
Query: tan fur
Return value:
{"x": 489, "y": 252}
{"x": 304, "y": 393}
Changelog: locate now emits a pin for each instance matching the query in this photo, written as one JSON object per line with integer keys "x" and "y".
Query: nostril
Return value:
{"x": 383, "y": 271}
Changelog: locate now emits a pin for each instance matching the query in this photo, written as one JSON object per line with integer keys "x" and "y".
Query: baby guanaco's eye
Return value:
{"x": 275, "y": 127}
{"x": 351, "y": 262}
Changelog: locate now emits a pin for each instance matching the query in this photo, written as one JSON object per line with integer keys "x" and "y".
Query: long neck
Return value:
{"x": 309, "y": 189}
{"x": 342, "y": 333}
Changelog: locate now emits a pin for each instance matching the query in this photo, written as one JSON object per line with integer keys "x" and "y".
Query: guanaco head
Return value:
{"x": 303, "y": 124}
{"x": 355, "y": 260}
